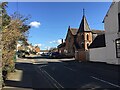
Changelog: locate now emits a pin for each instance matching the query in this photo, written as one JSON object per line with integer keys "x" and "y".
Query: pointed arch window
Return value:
{"x": 87, "y": 45}
{"x": 87, "y": 37}
{"x": 82, "y": 35}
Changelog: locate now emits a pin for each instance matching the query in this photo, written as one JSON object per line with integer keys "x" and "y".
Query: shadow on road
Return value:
{"x": 46, "y": 57}
{"x": 38, "y": 57}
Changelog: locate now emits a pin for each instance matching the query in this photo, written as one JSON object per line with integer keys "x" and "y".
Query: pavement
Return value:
{"x": 13, "y": 78}
{"x": 14, "y": 81}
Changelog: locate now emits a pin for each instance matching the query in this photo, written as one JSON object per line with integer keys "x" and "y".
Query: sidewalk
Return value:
{"x": 14, "y": 81}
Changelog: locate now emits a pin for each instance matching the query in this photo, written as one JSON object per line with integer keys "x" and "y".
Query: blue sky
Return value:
{"x": 50, "y": 20}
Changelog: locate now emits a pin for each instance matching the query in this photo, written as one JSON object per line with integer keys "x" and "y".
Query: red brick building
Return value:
{"x": 83, "y": 39}
{"x": 70, "y": 42}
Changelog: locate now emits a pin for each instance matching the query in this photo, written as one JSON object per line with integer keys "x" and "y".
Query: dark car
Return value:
{"x": 54, "y": 55}
{"x": 45, "y": 54}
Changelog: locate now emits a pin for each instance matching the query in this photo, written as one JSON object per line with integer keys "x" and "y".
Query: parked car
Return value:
{"x": 45, "y": 54}
{"x": 54, "y": 55}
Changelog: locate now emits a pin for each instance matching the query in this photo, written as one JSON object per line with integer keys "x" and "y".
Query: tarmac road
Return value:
{"x": 67, "y": 74}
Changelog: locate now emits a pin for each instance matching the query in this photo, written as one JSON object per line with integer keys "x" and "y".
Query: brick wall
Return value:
{"x": 82, "y": 55}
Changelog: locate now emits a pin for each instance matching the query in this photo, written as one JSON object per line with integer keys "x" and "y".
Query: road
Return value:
{"x": 67, "y": 74}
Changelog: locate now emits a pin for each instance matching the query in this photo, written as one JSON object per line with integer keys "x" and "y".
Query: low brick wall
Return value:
{"x": 82, "y": 55}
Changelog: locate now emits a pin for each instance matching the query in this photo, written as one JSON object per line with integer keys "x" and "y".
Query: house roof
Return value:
{"x": 98, "y": 42}
{"x": 84, "y": 25}
{"x": 74, "y": 31}
{"x": 108, "y": 11}
{"x": 61, "y": 45}
{"x": 98, "y": 31}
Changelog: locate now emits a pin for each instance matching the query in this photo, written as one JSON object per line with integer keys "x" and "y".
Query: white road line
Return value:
{"x": 105, "y": 81}
{"x": 43, "y": 66}
{"x": 44, "y": 76}
{"x": 53, "y": 79}
{"x": 70, "y": 68}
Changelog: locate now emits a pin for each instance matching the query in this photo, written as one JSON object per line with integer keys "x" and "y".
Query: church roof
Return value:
{"x": 74, "y": 31}
{"x": 84, "y": 25}
{"x": 98, "y": 42}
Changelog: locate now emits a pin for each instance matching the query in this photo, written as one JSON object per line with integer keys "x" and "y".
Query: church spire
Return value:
{"x": 84, "y": 24}
{"x": 83, "y": 12}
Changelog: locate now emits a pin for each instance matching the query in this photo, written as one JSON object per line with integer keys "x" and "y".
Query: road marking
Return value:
{"x": 40, "y": 63}
{"x": 70, "y": 68}
{"x": 105, "y": 81}
{"x": 43, "y": 66}
{"x": 53, "y": 80}
{"x": 42, "y": 73}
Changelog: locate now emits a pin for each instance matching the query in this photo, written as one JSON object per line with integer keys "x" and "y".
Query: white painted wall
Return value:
{"x": 111, "y": 34}
{"x": 111, "y": 20}
{"x": 97, "y": 54}
{"x": 108, "y": 54}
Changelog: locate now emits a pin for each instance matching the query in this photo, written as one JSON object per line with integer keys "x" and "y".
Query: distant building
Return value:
{"x": 37, "y": 49}
{"x": 44, "y": 51}
{"x": 61, "y": 48}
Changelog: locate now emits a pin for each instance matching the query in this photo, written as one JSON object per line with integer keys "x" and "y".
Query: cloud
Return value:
{"x": 38, "y": 45}
{"x": 59, "y": 41}
{"x": 35, "y": 24}
{"x": 52, "y": 41}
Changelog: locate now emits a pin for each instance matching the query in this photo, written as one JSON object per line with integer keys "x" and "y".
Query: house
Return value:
{"x": 69, "y": 48}
{"x": 61, "y": 48}
{"x": 112, "y": 34}
{"x": 110, "y": 50}
{"x": 37, "y": 49}
{"x": 54, "y": 49}
{"x": 83, "y": 40}
{"x": 30, "y": 48}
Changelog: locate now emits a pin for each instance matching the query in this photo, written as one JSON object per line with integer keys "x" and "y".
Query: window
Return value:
{"x": 119, "y": 22}
{"x": 87, "y": 45}
{"x": 118, "y": 48}
{"x": 87, "y": 37}
{"x": 82, "y": 44}
{"x": 82, "y": 36}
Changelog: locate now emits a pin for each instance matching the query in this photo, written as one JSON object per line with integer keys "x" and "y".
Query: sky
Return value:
{"x": 50, "y": 20}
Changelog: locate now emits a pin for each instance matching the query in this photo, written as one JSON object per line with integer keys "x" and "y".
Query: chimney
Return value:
{"x": 62, "y": 41}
